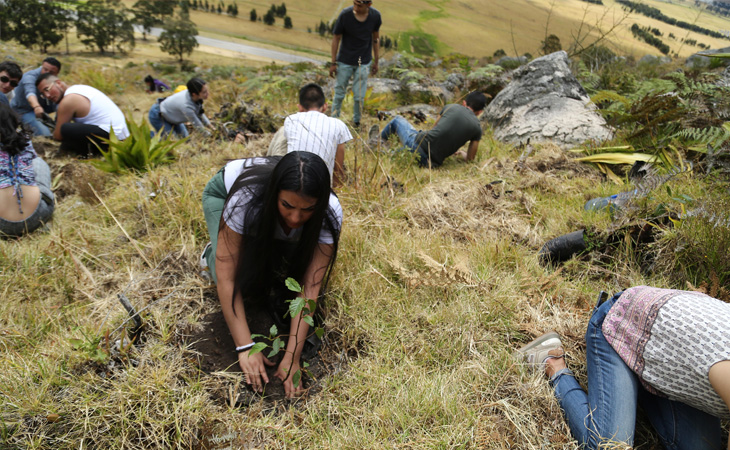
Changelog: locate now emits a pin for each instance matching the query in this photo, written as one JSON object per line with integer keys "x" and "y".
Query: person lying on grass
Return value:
{"x": 663, "y": 349}
{"x": 270, "y": 218}
{"x": 26, "y": 200}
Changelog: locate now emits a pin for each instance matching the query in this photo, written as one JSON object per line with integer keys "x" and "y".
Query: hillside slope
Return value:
{"x": 477, "y": 28}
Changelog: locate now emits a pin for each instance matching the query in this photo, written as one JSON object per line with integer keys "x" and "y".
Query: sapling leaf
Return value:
{"x": 296, "y": 306}
{"x": 276, "y": 346}
{"x": 258, "y": 347}
{"x": 254, "y": 336}
{"x": 305, "y": 364}
{"x": 308, "y": 320}
{"x": 311, "y": 304}
{"x": 273, "y": 331}
{"x": 293, "y": 285}
{"x": 297, "y": 378}
{"x": 319, "y": 332}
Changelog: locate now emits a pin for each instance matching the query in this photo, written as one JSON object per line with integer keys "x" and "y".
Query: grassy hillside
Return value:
{"x": 476, "y": 28}
{"x": 436, "y": 284}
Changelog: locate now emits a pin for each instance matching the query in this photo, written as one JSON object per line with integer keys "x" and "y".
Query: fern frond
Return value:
{"x": 699, "y": 139}
{"x": 611, "y": 96}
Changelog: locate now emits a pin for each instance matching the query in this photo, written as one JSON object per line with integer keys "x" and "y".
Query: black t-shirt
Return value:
{"x": 356, "y": 46}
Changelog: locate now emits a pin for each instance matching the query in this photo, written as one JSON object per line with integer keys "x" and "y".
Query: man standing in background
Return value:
{"x": 358, "y": 30}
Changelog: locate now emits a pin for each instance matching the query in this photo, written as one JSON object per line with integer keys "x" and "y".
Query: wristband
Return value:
{"x": 38, "y": 106}
{"x": 243, "y": 348}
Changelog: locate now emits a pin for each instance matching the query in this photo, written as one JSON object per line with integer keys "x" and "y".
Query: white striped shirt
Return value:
{"x": 317, "y": 133}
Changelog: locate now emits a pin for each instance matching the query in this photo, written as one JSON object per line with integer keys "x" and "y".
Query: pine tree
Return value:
{"x": 287, "y": 23}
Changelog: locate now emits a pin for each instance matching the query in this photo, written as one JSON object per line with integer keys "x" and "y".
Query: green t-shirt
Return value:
{"x": 457, "y": 125}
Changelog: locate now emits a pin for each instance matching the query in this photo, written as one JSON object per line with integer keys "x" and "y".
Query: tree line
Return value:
{"x": 654, "y": 13}
{"x": 103, "y": 25}
{"x": 270, "y": 17}
{"x": 647, "y": 36}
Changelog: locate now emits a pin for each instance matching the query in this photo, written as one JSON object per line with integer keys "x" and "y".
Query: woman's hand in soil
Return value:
{"x": 285, "y": 373}
{"x": 253, "y": 366}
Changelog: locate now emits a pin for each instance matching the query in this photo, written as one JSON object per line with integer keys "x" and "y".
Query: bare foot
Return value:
{"x": 553, "y": 365}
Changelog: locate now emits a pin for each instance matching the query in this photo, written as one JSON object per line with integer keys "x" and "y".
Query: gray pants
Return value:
{"x": 43, "y": 211}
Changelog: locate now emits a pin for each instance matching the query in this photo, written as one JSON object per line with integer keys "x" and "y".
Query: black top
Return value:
{"x": 356, "y": 47}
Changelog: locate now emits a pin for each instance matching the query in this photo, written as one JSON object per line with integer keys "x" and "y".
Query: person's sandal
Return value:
{"x": 537, "y": 352}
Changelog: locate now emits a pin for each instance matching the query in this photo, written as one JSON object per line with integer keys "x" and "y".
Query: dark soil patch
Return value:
{"x": 216, "y": 348}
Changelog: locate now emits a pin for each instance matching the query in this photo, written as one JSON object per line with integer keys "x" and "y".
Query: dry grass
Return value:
{"x": 436, "y": 284}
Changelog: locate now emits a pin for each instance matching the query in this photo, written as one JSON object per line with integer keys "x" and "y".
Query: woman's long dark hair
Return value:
{"x": 259, "y": 268}
{"x": 13, "y": 135}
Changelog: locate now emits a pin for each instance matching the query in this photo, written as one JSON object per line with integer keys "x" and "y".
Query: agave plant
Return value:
{"x": 139, "y": 152}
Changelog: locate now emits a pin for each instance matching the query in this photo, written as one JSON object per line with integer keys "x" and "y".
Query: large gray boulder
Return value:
{"x": 545, "y": 103}
{"x": 698, "y": 61}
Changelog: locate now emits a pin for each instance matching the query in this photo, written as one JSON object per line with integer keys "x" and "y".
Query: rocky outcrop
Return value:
{"x": 545, "y": 103}
{"x": 390, "y": 86}
{"x": 698, "y": 61}
{"x": 509, "y": 62}
{"x": 654, "y": 60}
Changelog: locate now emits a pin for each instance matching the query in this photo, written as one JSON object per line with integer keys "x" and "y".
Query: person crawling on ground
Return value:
{"x": 456, "y": 125}
{"x": 663, "y": 349}
{"x": 270, "y": 218}
{"x": 173, "y": 112}
{"x": 155, "y": 85}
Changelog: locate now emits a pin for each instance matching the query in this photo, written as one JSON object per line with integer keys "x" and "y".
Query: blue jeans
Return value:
{"x": 407, "y": 135}
{"x": 359, "y": 88}
{"x": 35, "y": 125}
{"x": 158, "y": 122}
{"x": 608, "y": 412}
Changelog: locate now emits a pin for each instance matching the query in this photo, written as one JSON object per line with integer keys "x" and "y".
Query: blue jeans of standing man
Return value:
{"x": 407, "y": 135}
{"x": 359, "y": 88}
{"x": 159, "y": 123}
{"x": 35, "y": 125}
{"x": 607, "y": 414}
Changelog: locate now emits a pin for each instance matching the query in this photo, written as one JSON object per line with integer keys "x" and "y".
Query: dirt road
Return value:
{"x": 258, "y": 53}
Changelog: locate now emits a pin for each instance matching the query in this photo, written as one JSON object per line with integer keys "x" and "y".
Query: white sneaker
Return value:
{"x": 540, "y": 350}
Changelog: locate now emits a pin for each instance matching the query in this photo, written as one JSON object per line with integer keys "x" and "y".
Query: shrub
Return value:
{"x": 139, "y": 152}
